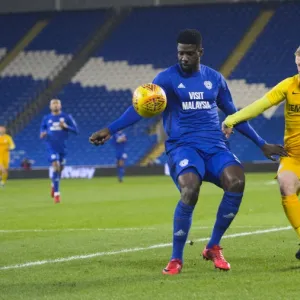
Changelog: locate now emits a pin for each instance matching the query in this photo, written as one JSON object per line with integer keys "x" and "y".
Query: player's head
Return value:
{"x": 297, "y": 59}
{"x": 2, "y": 130}
{"x": 189, "y": 49}
{"x": 55, "y": 106}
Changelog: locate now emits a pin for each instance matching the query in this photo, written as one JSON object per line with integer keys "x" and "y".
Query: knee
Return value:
{"x": 287, "y": 185}
{"x": 235, "y": 184}
{"x": 56, "y": 167}
{"x": 190, "y": 193}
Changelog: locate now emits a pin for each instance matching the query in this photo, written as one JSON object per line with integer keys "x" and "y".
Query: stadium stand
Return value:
{"x": 102, "y": 89}
{"x": 270, "y": 60}
{"x": 42, "y": 59}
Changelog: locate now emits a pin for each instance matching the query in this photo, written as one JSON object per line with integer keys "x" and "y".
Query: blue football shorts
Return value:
{"x": 121, "y": 156}
{"x": 54, "y": 156}
{"x": 209, "y": 166}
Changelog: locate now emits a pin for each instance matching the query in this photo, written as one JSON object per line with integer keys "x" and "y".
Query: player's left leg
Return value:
{"x": 225, "y": 171}
{"x": 56, "y": 180}
{"x": 121, "y": 170}
{"x": 187, "y": 170}
{"x": 1, "y": 174}
{"x": 4, "y": 176}
{"x": 4, "y": 170}
{"x": 288, "y": 179}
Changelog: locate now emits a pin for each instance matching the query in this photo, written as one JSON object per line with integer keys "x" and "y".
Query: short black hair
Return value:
{"x": 190, "y": 37}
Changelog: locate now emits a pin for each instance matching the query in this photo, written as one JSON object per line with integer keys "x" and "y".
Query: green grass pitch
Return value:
{"x": 103, "y": 231}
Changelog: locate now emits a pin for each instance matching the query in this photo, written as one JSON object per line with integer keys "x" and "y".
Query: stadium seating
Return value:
{"x": 270, "y": 60}
{"x": 13, "y": 27}
{"x": 44, "y": 57}
{"x": 134, "y": 53}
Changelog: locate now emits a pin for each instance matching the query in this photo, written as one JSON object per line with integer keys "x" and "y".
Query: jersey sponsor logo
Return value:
{"x": 181, "y": 86}
{"x": 196, "y": 95}
{"x": 195, "y": 105}
{"x": 208, "y": 85}
{"x": 294, "y": 107}
{"x": 55, "y": 126}
{"x": 184, "y": 162}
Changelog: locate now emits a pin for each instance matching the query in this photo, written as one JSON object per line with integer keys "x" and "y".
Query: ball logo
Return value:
{"x": 184, "y": 163}
{"x": 208, "y": 85}
{"x": 154, "y": 104}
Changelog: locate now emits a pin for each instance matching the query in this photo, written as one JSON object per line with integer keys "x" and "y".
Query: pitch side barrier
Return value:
{"x": 88, "y": 172}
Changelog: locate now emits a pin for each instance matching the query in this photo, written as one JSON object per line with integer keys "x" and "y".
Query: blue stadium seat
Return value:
{"x": 102, "y": 90}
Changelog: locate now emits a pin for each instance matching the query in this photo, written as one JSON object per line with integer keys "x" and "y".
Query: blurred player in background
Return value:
{"x": 288, "y": 174}
{"x": 55, "y": 130}
{"x": 6, "y": 145}
{"x": 119, "y": 141}
{"x": 196, "y": 147}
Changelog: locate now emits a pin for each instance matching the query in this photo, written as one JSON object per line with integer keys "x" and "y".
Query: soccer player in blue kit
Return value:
{"x": 119, "y": 142}
{"x": 196, "y": 148}
{"x": 55, "y": 130}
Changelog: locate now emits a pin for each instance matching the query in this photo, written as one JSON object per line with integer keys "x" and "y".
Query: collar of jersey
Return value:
{"x": 194, "y": 74}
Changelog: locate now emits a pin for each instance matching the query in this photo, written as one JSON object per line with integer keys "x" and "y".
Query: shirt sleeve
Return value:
{"x": 225, "y": 103}
{"x": 162, "y": 79}
{"x": 128, "y": 118}
{"x": 272, "y": 98}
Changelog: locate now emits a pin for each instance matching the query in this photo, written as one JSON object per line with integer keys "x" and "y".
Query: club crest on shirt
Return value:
{"x": 184, "y": 162}
{"x": 208, "y": 84}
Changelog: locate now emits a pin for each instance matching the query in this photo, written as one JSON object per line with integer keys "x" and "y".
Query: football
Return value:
{"x": 149, "y": 100}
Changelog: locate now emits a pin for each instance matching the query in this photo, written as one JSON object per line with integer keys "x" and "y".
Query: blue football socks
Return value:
{"x": 227, "y": 211}
{"x": 181, "y": 227}
{"x": 55, "y": 181}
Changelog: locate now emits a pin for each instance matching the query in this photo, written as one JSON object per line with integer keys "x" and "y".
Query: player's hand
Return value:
{"x": 63, "y": 125}
{"x": 270, "y": 150}
{"x": 226, "y": 130}
{"x": 100, "y": 137}
{"x": 43, "y": 134}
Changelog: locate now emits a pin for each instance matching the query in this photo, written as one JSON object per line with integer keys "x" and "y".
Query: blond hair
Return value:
{"x": 297, "y": 53}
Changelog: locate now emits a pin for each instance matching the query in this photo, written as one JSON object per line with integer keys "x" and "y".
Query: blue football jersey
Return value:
{"x": 119, "y": 143}
{"x": 191, "y": 114}
{"x": 56, "y": 136}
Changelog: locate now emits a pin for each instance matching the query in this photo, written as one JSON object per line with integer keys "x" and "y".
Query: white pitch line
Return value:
{"x": 129, "y": 250}
{"x": 75, "y": 229}
{"x": 114, "y": 229}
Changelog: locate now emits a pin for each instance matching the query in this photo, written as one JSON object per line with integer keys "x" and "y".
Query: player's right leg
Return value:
{"x": 187, "y": 170}
{"x": 120, "y": 167}
{"x": 224, "y": 170}
{"x": 4, "y": 164}
{"x": 288, "y": 179}
{"x": 1, "y": 174}
{"x": 56, "y": 167}
{"x": 56, "y": 180}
